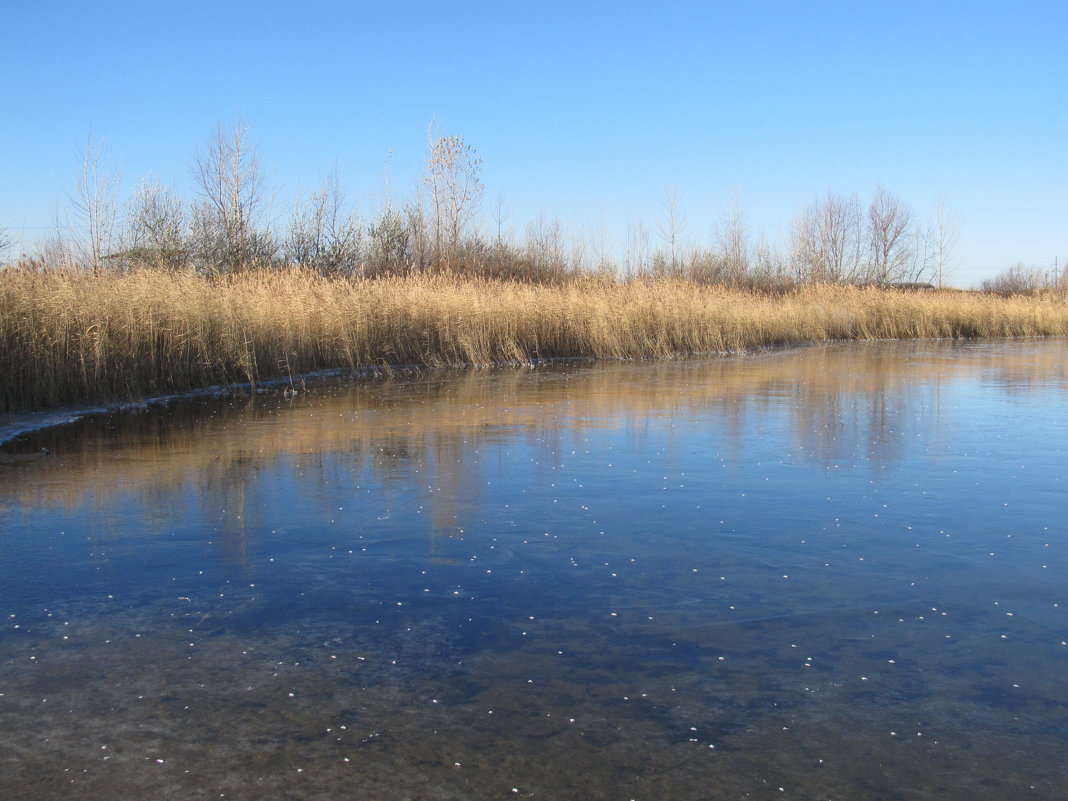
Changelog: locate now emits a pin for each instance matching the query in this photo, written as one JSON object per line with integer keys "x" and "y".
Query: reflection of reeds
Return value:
{"x": 68, "y": 337}
{"x": 412, "y": 433}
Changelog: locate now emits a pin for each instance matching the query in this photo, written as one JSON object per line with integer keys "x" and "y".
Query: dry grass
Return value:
{"x": 70, "y": 337}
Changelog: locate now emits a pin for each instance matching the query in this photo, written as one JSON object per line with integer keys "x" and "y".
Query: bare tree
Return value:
{"x": 767, "y": 267}
{"x": 546, "y": 249}
{"x": 391, "y": 247}
{"x": 155, "y": 232}
{"x": 891, "y": 252}
{"x": 453, "y": 177}
{"x": 636, "y": 258}
{"x": 397, "y": 237}
{"x": 732, "y": 237}
{"x": 941, "y": 240}
{"x": 840, "y": 233}
{"x": 827, "y": 240}
{"x": 230, "y": 184}
{"x": 304, "y": 233}
{"x": 605, "y": 253}
{"x": 1020, "y": 280}
{"x": 501, "y": 215}
{"x": 806, "y": 256}
{"x": 321, "y": 234}
{"x": 95, "y": 205}
{"x": 418, "y": 235}
{"x": 672, "y": 229}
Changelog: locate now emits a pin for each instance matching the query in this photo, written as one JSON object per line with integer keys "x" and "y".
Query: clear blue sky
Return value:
{"x": 585, "y": 110}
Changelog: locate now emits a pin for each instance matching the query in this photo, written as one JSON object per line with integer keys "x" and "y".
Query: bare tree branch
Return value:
{"x": 95, "y": 207}
{"x": 672, "y": 229}
{"x": 732, "y": 234}
{"x": 890, "y": 224}
{"x": 943, "y": 236}
{"x": 230, "y": 184}
{"x": 453, "y": 177}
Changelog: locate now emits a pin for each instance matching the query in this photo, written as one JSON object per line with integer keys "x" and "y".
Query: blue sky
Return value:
{"x": 586, "y": 111}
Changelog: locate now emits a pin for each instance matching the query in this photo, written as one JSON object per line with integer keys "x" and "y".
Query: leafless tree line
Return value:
{"x": 1021, "y": 280}
{"x": 834, "y": 239}
{"x": 227, "y": 228}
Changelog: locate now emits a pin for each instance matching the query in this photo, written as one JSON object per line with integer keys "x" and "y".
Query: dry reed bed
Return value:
{"x": 69, "y": 337}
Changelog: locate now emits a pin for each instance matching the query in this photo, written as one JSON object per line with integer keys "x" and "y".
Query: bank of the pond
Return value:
{"x": 70, "y": 338}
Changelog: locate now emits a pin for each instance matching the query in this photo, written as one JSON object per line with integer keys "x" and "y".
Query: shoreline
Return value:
{"x": 22, "y": 423}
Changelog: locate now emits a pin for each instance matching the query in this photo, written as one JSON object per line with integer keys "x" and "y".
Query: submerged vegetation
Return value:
{"x": 70, "y": 336}
{"x": 158, "y": 295}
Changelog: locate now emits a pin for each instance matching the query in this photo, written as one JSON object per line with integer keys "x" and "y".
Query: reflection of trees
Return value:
{"x": 393, "y": 459}
{"x": 1016, "y": 377}
{"x": 855, "y": 408}
{"x": 426, "y": 438}
{"x": 455, "y": 484}
{"x": 234, "y": 481}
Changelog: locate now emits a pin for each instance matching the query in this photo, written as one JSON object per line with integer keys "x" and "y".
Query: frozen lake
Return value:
{"x": 829, "y": 573}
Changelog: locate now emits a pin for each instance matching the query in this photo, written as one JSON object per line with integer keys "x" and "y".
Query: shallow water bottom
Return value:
{"x": 439, "y": 695}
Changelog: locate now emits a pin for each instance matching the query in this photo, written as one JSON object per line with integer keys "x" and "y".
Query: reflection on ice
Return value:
{"x": 834, "y": 571}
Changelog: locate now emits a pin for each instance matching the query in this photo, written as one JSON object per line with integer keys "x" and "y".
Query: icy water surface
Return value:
{"x": 831, "y": 573}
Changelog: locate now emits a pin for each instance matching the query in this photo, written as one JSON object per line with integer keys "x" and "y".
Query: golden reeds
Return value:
{"x": 70, "y": 337}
